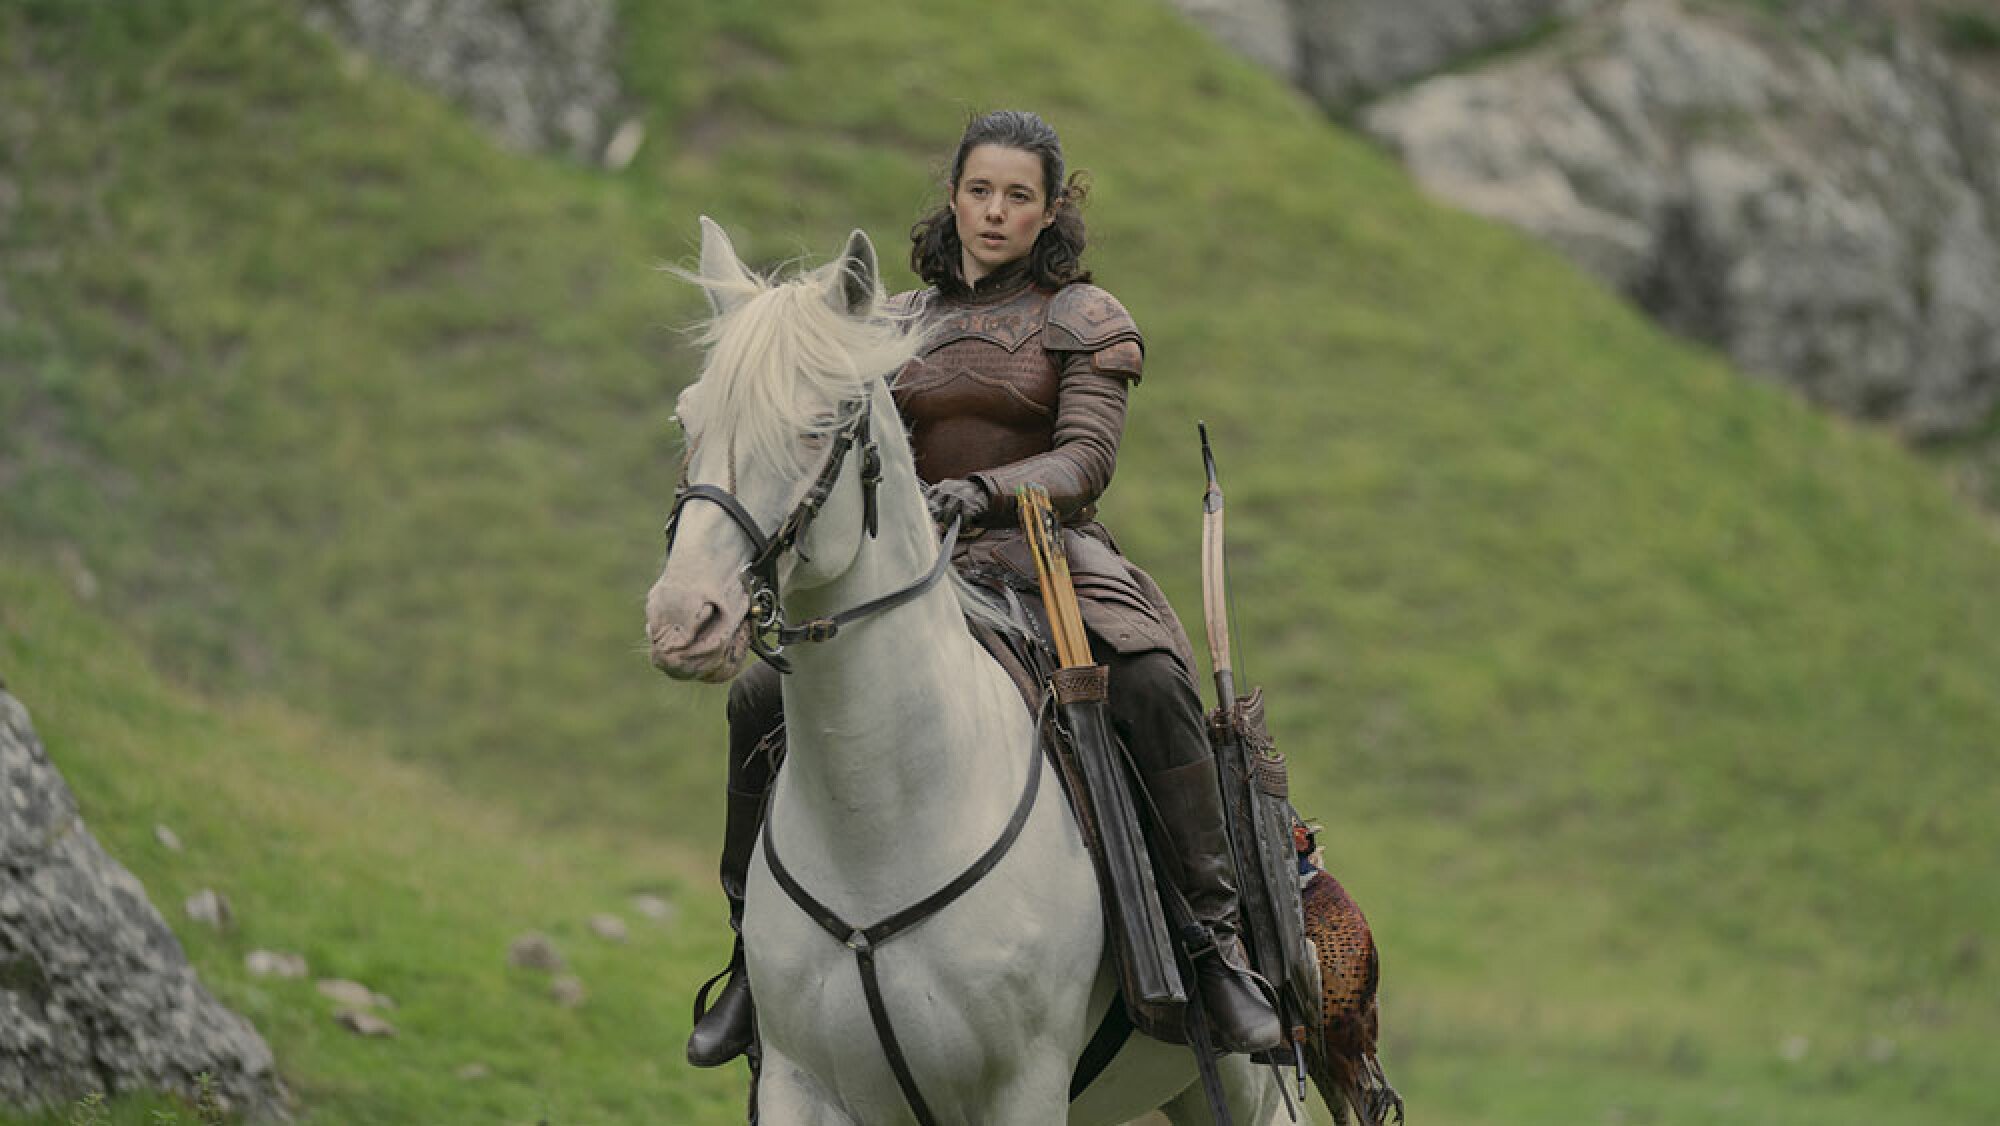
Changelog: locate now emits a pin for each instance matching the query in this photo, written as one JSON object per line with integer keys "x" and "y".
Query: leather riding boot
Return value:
{"x": 729, "y": 1026}
{"x": 1190, "y": 801}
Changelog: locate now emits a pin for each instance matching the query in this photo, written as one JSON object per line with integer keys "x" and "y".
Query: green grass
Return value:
{"x": 1969, "y": 29}
{"x": 375, "y": 871}
{"x": 94, "y": 1109}
{"x": 1652, "y": 711}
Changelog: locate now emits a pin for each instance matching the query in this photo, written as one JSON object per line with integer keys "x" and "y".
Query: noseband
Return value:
{"x": 770, "y": 634}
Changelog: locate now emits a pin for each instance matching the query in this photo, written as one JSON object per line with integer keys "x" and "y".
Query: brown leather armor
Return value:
{"x": 1015, "y": 385}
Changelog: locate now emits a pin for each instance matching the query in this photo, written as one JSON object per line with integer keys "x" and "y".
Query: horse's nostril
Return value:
{"x": 709, "y": 622}
{"x": 688, "y": 633}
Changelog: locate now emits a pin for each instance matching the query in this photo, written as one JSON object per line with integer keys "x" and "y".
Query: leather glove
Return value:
{"x": 958, "y": 497}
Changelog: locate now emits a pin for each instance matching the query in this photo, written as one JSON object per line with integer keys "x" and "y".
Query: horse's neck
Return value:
{"x": 898, "y": 764}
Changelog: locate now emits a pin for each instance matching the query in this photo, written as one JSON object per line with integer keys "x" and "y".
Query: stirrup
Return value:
{"x": 726, "y": 1028}
{"x": 701, "y": 995}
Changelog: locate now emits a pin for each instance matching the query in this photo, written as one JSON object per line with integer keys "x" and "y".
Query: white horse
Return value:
{"x": 910, "y": 753}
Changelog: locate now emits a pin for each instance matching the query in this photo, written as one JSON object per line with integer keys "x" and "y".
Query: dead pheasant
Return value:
{"x": 1340, "y": 1053}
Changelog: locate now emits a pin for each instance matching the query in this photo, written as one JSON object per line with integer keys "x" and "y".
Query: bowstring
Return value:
{"x": 1237, "y": 647}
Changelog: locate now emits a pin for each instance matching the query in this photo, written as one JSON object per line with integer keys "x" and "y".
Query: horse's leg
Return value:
{"x": 1248, "y": 1089}
{"x": 788, "y": 1096}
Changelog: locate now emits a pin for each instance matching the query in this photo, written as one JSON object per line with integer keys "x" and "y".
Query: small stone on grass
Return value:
{"x": 272, "y": 963}
{"x": 354, "y": 995}
{"x": 212, "y": 907}
{"x": 654, "y": 908}
{"x": 568, "y": 991}
{"x": 624, "y": 145}
{"x": 608, "y": 927}
{"x": 364, "y": 1023}
{"x": 535, "y": 951}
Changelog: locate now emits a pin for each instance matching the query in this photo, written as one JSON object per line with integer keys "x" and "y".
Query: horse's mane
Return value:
{"x": 781, "y": 355}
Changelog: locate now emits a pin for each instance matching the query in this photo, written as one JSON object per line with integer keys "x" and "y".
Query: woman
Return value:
{"x": 1023, "y": 379}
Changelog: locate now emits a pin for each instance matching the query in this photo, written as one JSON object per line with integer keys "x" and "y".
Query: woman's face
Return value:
{"x": 1000, "y": 208}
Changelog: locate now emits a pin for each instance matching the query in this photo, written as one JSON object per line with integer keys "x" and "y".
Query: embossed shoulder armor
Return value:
{"x": 1085, "y": 318}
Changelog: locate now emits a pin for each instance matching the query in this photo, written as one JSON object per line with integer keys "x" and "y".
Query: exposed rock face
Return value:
{"x": 1346, "y": 51}
{"x": 1819, "y": 198}
{"x": 1826, "y": 215}
{"x": 95, "y": 991}
{"x": 1264, "y": 31}
{"x": 1356, "y": 49}
{"x": 540, "y": 74}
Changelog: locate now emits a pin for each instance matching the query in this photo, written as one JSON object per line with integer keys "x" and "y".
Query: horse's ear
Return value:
{"x": 857, "y": 281}
{"x": 720, "y": 265}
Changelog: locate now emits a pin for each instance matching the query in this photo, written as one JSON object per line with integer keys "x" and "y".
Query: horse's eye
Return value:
{"x": 822, "y": 426}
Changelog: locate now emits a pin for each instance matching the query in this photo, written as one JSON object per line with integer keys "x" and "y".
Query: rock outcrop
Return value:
{"x": 1264, "y": 31}
{"x": 96, "y": 994}
{"x": 1825, "y": 214}
{"x": 541, "y": 75}
{"x": 1817, "y": 195}
{"x": 1343, "y": 52}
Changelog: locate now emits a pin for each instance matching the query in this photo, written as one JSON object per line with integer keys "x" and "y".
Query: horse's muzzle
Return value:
{"x": 697, "y": 639}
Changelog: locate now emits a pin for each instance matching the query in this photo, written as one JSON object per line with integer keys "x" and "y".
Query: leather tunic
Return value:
{"x": 1018, "y": 385}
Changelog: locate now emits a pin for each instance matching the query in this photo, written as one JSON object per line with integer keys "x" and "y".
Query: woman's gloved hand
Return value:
{"x": 956, "y": 496}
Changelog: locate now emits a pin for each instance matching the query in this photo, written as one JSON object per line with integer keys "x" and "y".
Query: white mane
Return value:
{"x": 781, "y": 359}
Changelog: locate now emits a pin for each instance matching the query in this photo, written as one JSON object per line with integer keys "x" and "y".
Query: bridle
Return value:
{"x": 769, "y": 632}
{"x": 768, "y": 638}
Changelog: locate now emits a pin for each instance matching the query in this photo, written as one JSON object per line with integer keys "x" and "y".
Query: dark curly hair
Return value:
{"x": 1057, "y": 256}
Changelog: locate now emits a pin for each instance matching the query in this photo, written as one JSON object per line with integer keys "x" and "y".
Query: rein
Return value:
{"x": 770, "y": 632}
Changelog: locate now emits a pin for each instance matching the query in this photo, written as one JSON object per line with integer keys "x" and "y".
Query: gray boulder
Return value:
{"x": 1817, "y": 194}
{"x": 96, "y": 994}
{"x": 1264, "y": 31}
{"x": 539, "y": 74}
{"x": 1825, "y": 212}
{"x": 1345, "y": 51}
{"x": 1352, "y": 50}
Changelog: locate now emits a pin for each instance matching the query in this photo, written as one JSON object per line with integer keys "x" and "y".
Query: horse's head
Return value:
{"x": 774, "y": 494}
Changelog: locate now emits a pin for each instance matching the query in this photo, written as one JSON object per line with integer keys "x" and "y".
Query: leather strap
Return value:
{"x": 701, "y": 996}
{"x": 825, "y": 629}
{"x": 728, "y": 503}
{"x": 878, "y": 1011}
{"x": 760, "y": 575}
{"x": 864, "y": 941}
{"x": 1113, "y": 1032}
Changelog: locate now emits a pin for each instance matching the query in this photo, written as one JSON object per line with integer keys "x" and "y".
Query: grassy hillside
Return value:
{"x": 377, "y": 872}
{"x": 1652, "y": 712}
